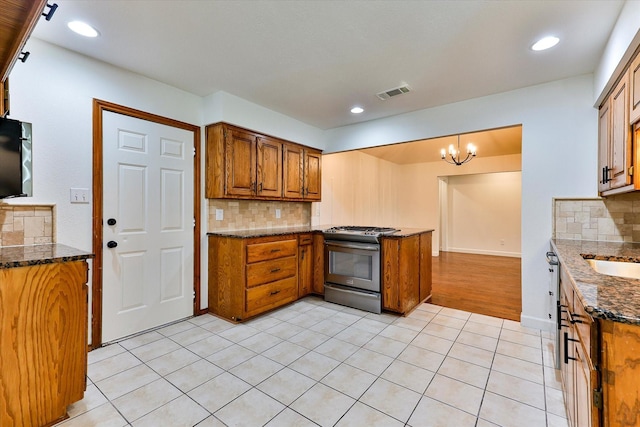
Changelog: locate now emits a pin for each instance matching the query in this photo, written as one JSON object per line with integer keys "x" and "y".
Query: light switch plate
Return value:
{"x": 79, "y": 195}
{"x": 219, "y": 214}
{"x": 278, "y": 213}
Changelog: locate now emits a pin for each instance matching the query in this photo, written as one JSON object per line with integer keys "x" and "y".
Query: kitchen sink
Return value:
{"x": 616, "y": 268}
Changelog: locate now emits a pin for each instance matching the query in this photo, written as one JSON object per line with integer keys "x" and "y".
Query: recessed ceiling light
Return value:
{"x": 357, "y": 110}
{"x": 545, "y": 43}
{"x": 82, "y": 28}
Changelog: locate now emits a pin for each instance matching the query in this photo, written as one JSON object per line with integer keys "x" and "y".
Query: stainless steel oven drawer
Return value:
{"x": 363, "y": 300}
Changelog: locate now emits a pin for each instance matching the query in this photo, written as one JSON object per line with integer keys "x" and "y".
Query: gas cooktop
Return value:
{"x": 358, "y": 233}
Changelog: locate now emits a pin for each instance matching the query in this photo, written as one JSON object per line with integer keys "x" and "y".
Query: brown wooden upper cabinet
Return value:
{"x": 614, "y": 141}
{"x": 302, "y": 173}
{"x": 242, "y": 164}
{"x": 634, "y": 90}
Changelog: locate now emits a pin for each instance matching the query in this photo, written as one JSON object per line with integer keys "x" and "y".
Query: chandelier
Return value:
{"x": 454, "y": 154}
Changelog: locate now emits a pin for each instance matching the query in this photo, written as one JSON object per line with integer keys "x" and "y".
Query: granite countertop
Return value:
{"x": 606, "y": 297}
{"x": 266, "y": 232}
{"x": 24, "y": 256}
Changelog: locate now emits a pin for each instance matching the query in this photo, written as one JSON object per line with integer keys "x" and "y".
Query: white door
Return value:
{"x": 147, "y": 277}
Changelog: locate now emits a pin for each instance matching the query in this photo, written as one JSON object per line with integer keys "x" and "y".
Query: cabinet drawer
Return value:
{"x": 270, "y": 271}
{"x": 305, "y": 239}
{"x": 271, "y": 295}
{"x": 271, "y": 250}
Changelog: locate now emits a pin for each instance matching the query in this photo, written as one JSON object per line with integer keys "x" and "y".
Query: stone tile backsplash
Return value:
{"x": 257, "y": 214}
{"x": 26, "y": 224}
{"x": 611, "y": 219}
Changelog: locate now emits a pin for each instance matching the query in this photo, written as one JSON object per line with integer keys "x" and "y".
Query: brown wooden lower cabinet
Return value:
{"x": 406, "y": 271}
{"x": 318, "y": 264}
{"x": 305, "y": 264}
{"x": 250, "y": 276}
{"x": 600, "y": 366}
{"x": 43, "y": 342}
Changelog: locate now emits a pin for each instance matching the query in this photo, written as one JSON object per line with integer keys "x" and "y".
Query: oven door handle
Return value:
{"x": 359, "y": 292}
{"x": 363, "y": 246}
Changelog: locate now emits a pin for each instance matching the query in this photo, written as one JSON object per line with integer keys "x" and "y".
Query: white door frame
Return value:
{"x": 443, "y": 212}
{"x": 99, "y": 107}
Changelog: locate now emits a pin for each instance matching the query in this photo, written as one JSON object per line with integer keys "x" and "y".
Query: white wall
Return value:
{"x": 623, "y": 41}
{"x": 483, "y": 213}
{"x": 54, "y": 90}
{"x": 360, "y": 189}
{"x": 559, "y": 151}
{"x": 224, "y": 107}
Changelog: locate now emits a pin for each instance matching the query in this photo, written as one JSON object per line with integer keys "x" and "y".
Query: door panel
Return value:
{"x": 293, "y": 172}
{"x": 269, "y": 167}
{"x": 240, "y": 152}
{"x": 148, "y": 276}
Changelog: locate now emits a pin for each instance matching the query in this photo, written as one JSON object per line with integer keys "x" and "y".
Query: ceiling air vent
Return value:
{"x": 393, "y": 92}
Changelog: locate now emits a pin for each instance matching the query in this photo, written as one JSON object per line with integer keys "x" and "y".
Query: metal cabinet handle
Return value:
{"x": 275, "y": 270}
{"x": 275, "y": 292}
{"x": 566, "y": 348}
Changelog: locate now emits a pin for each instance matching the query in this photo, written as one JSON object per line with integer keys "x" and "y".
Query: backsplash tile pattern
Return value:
{"x": 26, "y": 224}
{"x": 257, "y": 214}
{"x": 611, "y": 219}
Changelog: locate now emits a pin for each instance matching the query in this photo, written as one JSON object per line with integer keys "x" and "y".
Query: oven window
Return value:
{"x": 351, "y": 265}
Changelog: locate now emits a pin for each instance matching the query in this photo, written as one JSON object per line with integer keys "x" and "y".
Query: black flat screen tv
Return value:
{"x": 10, "y": 158}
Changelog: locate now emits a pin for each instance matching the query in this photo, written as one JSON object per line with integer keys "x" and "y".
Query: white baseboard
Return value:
{"x": 485, "y": 252}
{"x": 537, "y": 323}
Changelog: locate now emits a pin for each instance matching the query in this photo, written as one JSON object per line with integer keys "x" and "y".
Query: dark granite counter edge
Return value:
{"x": 31, "y": 255}
{"x": 248, "y": 234}
{"x": 587, "y": 286}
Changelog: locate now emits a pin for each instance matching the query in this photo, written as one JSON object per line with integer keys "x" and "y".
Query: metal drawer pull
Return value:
{"x": 275, "y": 250}
{"x": 275, "y": 292}
{"x": 275, "y": 270}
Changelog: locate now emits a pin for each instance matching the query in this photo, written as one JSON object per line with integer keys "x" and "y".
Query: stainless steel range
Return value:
{"x": 352, "y": 266}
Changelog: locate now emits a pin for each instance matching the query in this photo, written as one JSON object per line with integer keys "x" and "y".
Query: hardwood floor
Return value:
{"x": 481, "y": 284}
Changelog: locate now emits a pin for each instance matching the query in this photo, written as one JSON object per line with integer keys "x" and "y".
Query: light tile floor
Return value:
{"x": 315, "y": 363}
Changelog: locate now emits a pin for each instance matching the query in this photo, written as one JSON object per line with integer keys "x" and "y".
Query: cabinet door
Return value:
{"x": 604, "y": 139}
{"x": 269, "y": 167}
{"x": 620, "y": 130}
{"x": 318, "y": 264}
{"x": 634, "y": 90}
{"x": 620, "y": 373}
{"x": 240, "y": 163}
{"x": 305, "y": 270}
{"x": 312, "y": 175}
{"x": 425, "y": 266}
{"x": 582, "y": 383}
{"x": 293, "y": 172}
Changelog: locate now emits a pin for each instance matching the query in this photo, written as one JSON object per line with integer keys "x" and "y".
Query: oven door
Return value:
{"x": 352, "y": 264}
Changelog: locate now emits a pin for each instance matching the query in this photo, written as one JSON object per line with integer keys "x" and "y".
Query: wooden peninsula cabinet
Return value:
{"x": 43, "y": 335}
{"x": 406, "y": 271}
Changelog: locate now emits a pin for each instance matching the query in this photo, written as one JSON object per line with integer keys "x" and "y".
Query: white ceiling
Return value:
{"x": 314, "y": 60}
